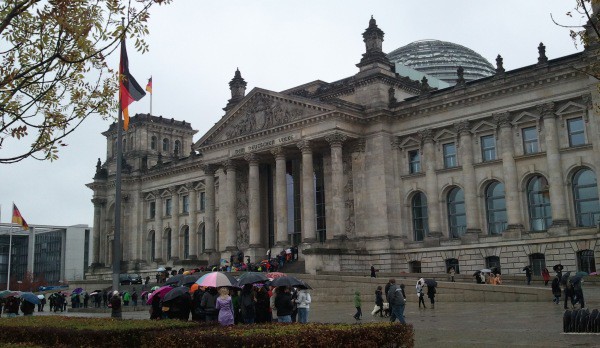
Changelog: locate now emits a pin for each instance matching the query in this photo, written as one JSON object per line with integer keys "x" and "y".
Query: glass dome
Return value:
{"x": 441, "y": 59}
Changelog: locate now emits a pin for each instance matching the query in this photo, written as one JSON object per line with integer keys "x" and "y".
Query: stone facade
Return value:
{"x": 371, "y": 169}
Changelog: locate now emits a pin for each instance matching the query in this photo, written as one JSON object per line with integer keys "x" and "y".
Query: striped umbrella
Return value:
{"x": 217, "y": 279}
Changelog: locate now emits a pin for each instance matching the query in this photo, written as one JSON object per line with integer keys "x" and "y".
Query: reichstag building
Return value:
{"x": 426, "y": 158}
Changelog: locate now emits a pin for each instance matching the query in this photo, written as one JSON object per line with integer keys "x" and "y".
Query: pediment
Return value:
{"x": 444, "y": 134}
{"x": 410, "y": 142}
{"x": 571, "y": 108}
{"x": 525, "y": 117}
{"x": 483, "y": 126}
{"x": 200, "y": 186}
{"x": 150, "y": 196}
{"x": 262, "y": 110}
{"x": 166, "y": 194}
{"x": 182, "y": 190}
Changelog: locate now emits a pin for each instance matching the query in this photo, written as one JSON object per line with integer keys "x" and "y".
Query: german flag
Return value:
{"x": 149, "y": 85}
{"x": 129, "y": 89}
{"x": 18, "y": 219}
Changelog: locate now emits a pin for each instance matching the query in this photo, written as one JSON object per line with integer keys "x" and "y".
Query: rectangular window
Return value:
{"x": 576, "y": 132}
{"x": 450, "y": 155}
{"x": 488, "y": 148}
{"x": 168, "y": 207}
{"x": 185, "y": 203}
{"x": 152, "y": 210}
{"x": 202, "y": 201}
{"x": 530, "y": 140}
{"x": 414, "y": 161}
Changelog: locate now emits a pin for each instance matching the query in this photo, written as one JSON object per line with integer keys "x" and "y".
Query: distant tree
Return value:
{"x": 53, "y": 70}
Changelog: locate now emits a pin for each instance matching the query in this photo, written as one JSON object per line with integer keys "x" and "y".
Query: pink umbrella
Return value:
{"x": 216, "y": 280}
{"x": 275, "y": 275}
{"x": 160, "y": 292}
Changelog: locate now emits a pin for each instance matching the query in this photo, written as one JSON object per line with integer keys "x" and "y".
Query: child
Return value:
{"x": 357, "y": 304}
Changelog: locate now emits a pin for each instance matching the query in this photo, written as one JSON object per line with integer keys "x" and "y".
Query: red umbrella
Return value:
{"x": 275, "y": 275}
{"x": 160, "y": 292}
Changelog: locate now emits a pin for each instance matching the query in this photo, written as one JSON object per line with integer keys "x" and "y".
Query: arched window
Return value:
{"x": 538, "y": 199}
{"x": 203, "y": 235}
{"x": 165, "y": 144}
{"x": 168, "y": 244}
{"x": 177, "y": 148}
{"x": 586, "y": 261}
{"x": 538, "y": 261}
{"x": 186, "y": 243}
{"x": 414, "y": 266}
{"x": 493, "y": 263}
{"x": 152, "y": 245}
{"x": 585, "y": 195}
{"x": 153, "y": 141}
{"x": 450, "y": 263}
{"x": 495, "y": 205}
{"x": 419, "y": 216}
{"x": 457, "y": 218}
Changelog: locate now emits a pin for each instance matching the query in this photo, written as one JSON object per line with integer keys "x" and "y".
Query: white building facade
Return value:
{"x": 373, "y": 169}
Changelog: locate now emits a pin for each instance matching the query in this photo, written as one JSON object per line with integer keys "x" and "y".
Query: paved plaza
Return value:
{"x": 460, "y": 324}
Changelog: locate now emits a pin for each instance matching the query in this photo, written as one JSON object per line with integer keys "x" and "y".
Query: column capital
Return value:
{"x": 278, "y": 152}
{"x": 336, "y": 139}
{"x": 209, "y": 169}
{"x": 252, "y": 158}
{"x": 156, "y": 193}
{"x": 189, "y": 186}
{"x": 98, "y": 202}
{"x": 230, "y": 164}
{"x": 502, "y": 119}
{"x": 395, "y": 143}
{"x": 546, "y": 110}
{"x": 359, "y": 145}
{"x": 462, "y": 127}
{"x": 586, "y": 99}
{"x": 304, "y": 146}
{"x": 173, "y": 189}
{"x": 426, "y": 135}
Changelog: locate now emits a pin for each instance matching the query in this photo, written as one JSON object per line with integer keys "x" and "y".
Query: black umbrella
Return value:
{"x": 430, "y": 283}
{"x": 565, "y": 278}
{"x": 557, "y": 267}
{"x": 252, "y": 278}
{"x": 188, "y": 279}
{"x": 175, "y": 293}
{"x": 174, "y": 279}
{"x": 304, "y": 285}
{"x": 476, "y": 273}
{"x": 287, "y": 281}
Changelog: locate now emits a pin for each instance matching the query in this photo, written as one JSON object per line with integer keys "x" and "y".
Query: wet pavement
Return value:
{"x": 457, "y": 324}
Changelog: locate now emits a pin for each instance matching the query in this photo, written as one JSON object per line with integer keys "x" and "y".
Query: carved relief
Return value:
{"x": 262, "y": 113}
{"x": 349, "y": 193}
{"x": 242, "y": 233}
{"x": 426, "y": 135}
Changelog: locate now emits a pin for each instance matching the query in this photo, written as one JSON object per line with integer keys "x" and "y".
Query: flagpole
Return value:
{"x": 151, "y": 97}
{"x": 116, "y": 261}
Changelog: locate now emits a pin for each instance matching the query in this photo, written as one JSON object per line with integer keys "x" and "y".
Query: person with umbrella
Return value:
{"x": 115, "y": 305}
{"x": 248, "y": 304}
{"x": 558, "y": 269}
{"x": 556, "y": 292}
{"x": 431, "y": 285}
{"x": 284, "y": 305}
{"x": 303, "y": 301}
{"x": 27, "y": 307}
{"x": 208, "y": 304}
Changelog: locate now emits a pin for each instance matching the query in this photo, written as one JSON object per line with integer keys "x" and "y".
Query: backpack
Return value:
{"x": 397, "y": 297}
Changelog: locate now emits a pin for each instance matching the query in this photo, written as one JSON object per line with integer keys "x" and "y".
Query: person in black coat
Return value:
{"x": 379, "y": 301}
{"x": 431, "y": 294}
{"x": 263, "y": 307}
{"x": 248, "y": 304}
{"x": 284, "y": 305}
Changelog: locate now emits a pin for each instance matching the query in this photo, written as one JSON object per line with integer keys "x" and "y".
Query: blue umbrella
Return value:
{"x": 78, "y": 291}
{"x": 30, "y": 297}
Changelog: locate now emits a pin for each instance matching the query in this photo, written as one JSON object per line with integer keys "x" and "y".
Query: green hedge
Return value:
{"x": 100, "y": 332}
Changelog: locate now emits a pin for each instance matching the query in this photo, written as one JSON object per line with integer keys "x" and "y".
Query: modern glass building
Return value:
{"x": 441, "y": 60}
{"x": 58, "y": 253}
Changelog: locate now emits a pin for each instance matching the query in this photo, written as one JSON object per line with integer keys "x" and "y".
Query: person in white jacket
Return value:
{"x": 303, "y": 301}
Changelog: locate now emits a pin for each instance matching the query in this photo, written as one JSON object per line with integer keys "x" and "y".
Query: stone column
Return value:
{"x": 98, "y": 203}
{"x": 193, "y": 221}
{"x": 469, "y": 181}
{"x": 431, "y": 184}
{"x": 253, "y": 200}
{"x": 281, "y": 236}
{"x": 309, "y": 232}
{"x": 158, "y": 232}
{"x": 230, "y": 206}
{"x": 509, "y": 169}
{"x": 335, "y": 141}
{"x": 209, "y": 214}
{"x": 175, "y": 224}
{"x": 555, "y": 175}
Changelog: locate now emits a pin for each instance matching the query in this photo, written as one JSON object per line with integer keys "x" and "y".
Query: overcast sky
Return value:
{"x": 195, "y": 47}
